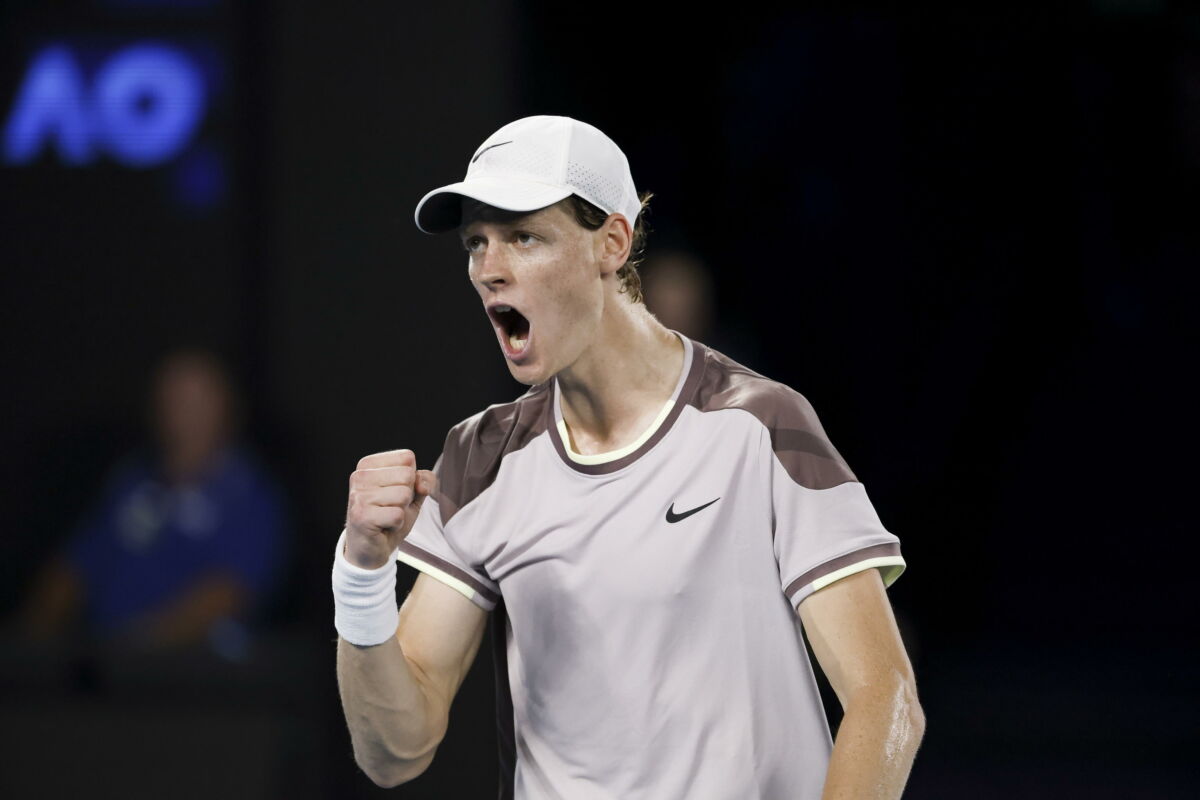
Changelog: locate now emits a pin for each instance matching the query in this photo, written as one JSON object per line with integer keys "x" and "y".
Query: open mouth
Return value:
{"x": 514, "y": 329}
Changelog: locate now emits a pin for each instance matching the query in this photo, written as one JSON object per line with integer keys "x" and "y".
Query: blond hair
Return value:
{"x": 591, "y": 217}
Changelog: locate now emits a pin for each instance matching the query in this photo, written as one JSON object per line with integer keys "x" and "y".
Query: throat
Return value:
{"x": 618, "y": 441}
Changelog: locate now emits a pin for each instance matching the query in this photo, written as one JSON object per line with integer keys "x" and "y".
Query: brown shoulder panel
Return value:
{"x": 470, "y": 458}
{"x": 797, "y": 436}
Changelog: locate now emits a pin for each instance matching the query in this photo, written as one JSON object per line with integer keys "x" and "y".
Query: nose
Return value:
{"x": 490, "y": 268}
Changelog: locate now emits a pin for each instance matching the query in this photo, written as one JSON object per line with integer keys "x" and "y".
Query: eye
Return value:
{"x": 529, "y": 236}
{"x": 469, "y": 243}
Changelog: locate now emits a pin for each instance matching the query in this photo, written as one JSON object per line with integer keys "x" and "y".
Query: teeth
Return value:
{"x": 515, "y": 343}
{"x": 502, "y": 309}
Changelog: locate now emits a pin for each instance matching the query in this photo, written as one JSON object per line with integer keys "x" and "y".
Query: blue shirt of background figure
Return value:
{"x": 146, "y": 541}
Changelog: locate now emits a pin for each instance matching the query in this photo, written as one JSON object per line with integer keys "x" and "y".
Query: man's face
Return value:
{"x": 192, "y": 406}
{"x": 545, "y": 266}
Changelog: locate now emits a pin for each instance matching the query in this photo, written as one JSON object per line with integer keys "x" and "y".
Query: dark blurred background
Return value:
{"x": 967, "y": 235}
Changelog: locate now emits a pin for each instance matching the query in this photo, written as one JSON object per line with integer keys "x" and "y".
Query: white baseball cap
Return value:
{"x": 532, "y": 163}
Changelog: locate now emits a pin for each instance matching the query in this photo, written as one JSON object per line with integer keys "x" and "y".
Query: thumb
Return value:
{"x": 426, "y": 483}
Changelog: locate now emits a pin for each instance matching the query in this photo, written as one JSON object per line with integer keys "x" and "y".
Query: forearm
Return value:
{"x": 395, "y": 722}
{"x": 876, "y": 744}
{"x": 190, "y": 617}
{"x": 54, "y": 601}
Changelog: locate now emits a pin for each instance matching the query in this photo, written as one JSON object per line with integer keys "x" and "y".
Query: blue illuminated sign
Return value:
{"x": 141, "y": 107}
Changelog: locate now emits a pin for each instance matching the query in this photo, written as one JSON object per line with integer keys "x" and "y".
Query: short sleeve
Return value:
{"x": 428, "y": 549}
{"x": 824, "y": 525}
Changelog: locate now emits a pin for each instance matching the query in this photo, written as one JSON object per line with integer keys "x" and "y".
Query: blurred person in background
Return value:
{"x": 185, "y": 541}
{"x": 679, "y": 291}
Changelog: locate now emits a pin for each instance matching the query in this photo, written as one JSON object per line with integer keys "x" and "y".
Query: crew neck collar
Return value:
{"x": 603, "y": 463}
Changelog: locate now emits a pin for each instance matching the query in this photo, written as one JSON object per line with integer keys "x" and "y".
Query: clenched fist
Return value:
{"x": 386, "y": 494}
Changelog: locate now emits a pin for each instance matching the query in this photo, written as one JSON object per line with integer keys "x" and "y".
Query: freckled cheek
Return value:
{"x": 557, "y": 309}
{"x": 562, "y": 294}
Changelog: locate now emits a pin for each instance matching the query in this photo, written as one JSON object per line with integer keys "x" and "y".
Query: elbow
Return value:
{"x": 912, "y": 712}
{"x": 391, "y": 763}
{"x": 919, "y": 724}
{"x": 390, "y": 774}
{"x": 891, "y": 703}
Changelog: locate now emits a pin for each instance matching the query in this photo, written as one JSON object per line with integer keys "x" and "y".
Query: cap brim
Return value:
{"x": 441, "y": 210}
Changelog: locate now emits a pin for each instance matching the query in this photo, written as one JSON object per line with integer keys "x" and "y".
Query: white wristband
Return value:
{"x": 364, "y": 600}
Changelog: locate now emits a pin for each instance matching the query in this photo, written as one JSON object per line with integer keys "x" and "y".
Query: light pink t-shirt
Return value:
{"x": 646, "y": 598}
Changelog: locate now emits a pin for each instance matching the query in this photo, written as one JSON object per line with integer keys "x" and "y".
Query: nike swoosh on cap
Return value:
{"x": 673, "y": 517}
{"x": 489, "y": 147}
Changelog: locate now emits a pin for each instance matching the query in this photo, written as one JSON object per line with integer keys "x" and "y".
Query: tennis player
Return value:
{"x": 650, "y": 527}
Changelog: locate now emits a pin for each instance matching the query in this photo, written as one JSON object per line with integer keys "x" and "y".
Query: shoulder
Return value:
{"x": 120, "y": 481}
{"x": 788, "y": 419}
{"x": 777, "y": 406}
{"x": 242, "y": 472}
{"x": 474, "y": 448}
{"x": 501, "y": 426}
{"x": 130, "y": 471}
{"x": 238, "y": 466}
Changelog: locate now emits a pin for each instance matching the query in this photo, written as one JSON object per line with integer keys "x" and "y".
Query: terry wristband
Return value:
{"x": 364, "y": 600}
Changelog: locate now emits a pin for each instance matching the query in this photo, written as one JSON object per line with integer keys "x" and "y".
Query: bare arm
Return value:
{"x": 188, "y": 617}
{"x": 396, "y": 695}
{"x": 853, "y": 634}
{"x": 54, "y": 601}
{"x": 57, "y": 595}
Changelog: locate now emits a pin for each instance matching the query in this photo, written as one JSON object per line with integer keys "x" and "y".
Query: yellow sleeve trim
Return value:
{"x": 445, "y": 577}
{"x": 890, "y": 568}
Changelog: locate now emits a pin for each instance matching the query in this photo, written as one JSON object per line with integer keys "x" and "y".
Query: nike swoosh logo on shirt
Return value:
{"x": 489, "y": 147}
{"x": 673, "y": 517}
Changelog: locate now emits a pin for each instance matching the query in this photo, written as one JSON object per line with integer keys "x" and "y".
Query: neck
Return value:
{"x": 622, "y": 380}
{"x": 185, "y": 463}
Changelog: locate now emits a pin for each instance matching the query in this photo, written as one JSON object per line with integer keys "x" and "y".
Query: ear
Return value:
{"x": 614, "y": 240}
